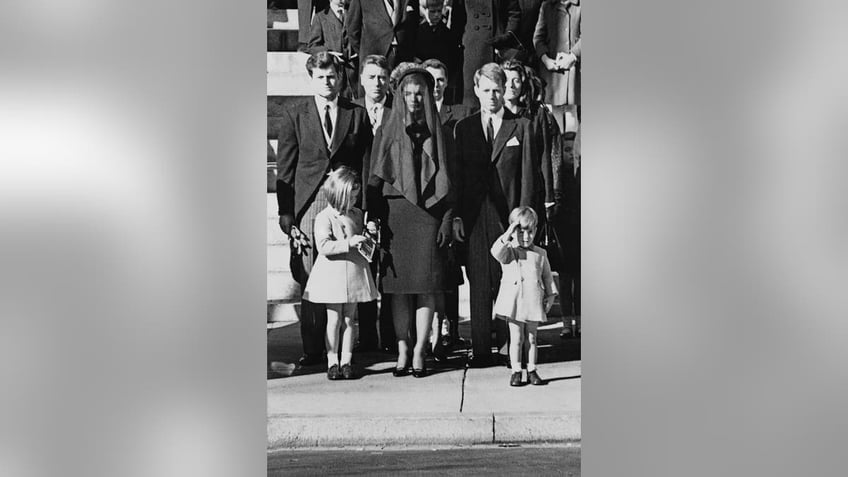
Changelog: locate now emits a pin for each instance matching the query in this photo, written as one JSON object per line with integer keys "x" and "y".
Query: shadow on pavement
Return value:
{"x": 284, "y": 350}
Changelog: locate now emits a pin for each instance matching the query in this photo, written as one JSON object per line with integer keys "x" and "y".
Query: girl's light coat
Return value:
{"x": 526, "y": 282}
{"x": 340, "y": 274}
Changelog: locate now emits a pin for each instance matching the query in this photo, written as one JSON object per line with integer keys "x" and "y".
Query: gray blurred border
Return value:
{"x": 133, "y": 214}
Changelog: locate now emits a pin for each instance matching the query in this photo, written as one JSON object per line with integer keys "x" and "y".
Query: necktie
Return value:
{"x": 328, "y": 124}
{"x": 341, "y": 15}
{"x": 490, "y": 132}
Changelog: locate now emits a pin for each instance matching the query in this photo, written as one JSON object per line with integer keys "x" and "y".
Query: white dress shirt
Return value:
{"x": 322, "y": 103}
{"x": 439, "y": 105}
{"x": 375, "y": 112}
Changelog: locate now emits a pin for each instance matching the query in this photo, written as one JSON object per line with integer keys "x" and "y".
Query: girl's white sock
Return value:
{"x": 516, "y": 367}
{"x": 531, "y": 368}
{"x": 346, "y": 357}
{"x": 332, "y": 358}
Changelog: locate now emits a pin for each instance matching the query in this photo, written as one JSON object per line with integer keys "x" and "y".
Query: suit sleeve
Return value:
{"x": 548, "y": 277}
{"x": 316, "y": 37}
{"x": 501, "y": 251}
{"x": 354, "y": 25}
{"x": 458, "y": 171}
{"x": 540, "y": 34}
{"x": 365, "y": 140}
{"x": 287, "y": 156}
{"x": 325, "y": 243}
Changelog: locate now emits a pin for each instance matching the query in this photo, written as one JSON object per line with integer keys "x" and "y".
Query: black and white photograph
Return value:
{"x": 424, "y": 236}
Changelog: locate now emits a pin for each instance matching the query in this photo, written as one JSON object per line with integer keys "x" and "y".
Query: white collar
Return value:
{"x": 323, "y": 102}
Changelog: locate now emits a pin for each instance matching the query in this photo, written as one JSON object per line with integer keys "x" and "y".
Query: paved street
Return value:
{"x": 520, "y": 460}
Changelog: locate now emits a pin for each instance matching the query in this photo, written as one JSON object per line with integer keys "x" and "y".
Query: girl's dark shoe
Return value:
{"x": 333, "y": 373}
{"x": 347, "y": 371}
{"x": 534, "y": 378}
{"x": 419, "y": 373}
{"x": 400, "y": 372}
{"x": 515, "y": 379}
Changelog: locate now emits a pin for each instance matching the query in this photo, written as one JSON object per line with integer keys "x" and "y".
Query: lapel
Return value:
{"x": 342, "y": 125}
{"x": 446, "y": 114}
{"x": 504, "y": 133}
{"x": 382, "y": 7}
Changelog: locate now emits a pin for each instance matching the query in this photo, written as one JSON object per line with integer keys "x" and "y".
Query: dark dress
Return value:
{"x": 412, "y": 262}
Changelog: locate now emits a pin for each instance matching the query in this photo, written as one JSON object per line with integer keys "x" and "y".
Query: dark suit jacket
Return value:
{"x": 326, "y": 33}
{"x": 481, "y": 23}
{"x": 372, "y": 34}
{"x": 303, "y": 158}
{"x": 508, "y": 175}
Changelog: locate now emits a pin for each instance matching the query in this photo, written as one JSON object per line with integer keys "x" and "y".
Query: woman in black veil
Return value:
{"x": 410, "y": 191}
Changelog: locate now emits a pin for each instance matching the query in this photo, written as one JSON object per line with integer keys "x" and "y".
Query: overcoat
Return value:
{"x": 326, "y": 34}
{"x": 525, "y": 283}
{"x": 558, "y": 29}
{"x": 481, "y": 23}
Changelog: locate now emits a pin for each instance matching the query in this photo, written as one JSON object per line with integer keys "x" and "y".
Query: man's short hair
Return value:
{"x": 378, "y": 60}
{"x": 434, "y": 3}
{"x": 492, "y": 71}
{"x": 322, "y": 60}
{"x": 436, "y": 65}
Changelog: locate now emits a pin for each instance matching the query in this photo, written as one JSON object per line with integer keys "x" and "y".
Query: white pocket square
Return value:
{"x": 409, "y": 8}
{"x": 513, "y": 142}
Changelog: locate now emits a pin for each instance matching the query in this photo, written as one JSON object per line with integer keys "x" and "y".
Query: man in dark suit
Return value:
{"x": 388, "y": 29}
{"x": 449, "y": 115}
{"x": 374, "y": 76}
{"x": 496, "y": 173}
{"x": 327, "y": 32}
{"x": 491, "y": 29}
{"x": 317, "y": 135}
{"x": 435, "y": 40}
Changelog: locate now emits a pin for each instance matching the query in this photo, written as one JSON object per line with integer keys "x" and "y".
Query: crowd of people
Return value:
{"x": 440, "y": 135}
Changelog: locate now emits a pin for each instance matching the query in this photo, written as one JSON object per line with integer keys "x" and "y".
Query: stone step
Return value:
{"x": 282, "y": 40}
{"x": 282, "y": 287}
{"x": 277, "y": 258}
{"x": 286, "y": 62}
{"x": 288, "y": 84}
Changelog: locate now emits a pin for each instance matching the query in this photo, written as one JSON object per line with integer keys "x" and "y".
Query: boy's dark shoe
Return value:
{"x": 347, "y": 371}
{"x": 534, "y": 378}
{"x": 515, "y": 379}
{"x": 333, "y": 373}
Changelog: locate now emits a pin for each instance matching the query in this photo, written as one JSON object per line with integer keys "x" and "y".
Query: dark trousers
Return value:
{"x": 313, "y": 327}
{"x": 313, "y": 316}
{"x": 484, "y": 276}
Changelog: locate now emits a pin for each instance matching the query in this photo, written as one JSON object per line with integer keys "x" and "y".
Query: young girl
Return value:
{"x": 340, "y": 277}
{"x": 527, "y": 289}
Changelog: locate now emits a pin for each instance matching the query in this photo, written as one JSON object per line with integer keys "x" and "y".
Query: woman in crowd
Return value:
{"x": 410, "y": 192}
{"x": 557, "y": 42}
{"x": 520, "y": 97}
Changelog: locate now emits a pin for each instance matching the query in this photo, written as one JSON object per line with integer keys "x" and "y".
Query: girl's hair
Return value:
{"x": 339, "y": 186}
{"x": 525, "y": 213}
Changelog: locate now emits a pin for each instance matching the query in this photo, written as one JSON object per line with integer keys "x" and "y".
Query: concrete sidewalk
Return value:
{"x": 454, "y": 405}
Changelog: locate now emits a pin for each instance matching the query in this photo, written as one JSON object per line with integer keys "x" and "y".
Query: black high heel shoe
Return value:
{"x": 420, "y": 373}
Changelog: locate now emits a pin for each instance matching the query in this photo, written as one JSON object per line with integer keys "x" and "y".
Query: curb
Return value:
{"x": 461, "y": 429}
